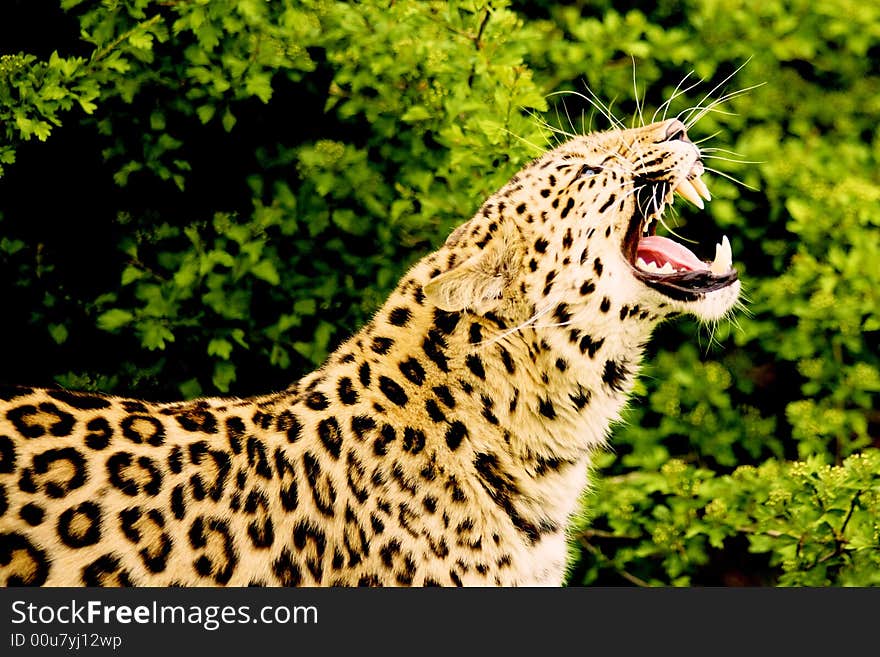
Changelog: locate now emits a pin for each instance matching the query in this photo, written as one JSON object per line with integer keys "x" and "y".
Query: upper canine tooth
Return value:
{"x": 701, "y": 188}
{"x": 723, "y": 262}
{"x": 686, "y": 189}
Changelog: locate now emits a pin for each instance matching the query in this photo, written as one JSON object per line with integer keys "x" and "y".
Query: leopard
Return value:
{"x": 446, "y": 443}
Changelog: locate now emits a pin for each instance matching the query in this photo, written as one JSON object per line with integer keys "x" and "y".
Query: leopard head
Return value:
{"x": 577, "y": 229}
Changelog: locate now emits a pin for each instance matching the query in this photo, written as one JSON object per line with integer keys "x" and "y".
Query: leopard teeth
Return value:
{"x": 687, "y": 190}
{"x": 701, "y": 188}
{"x": 723, "y": 262}
{"x": 652, "y": 267}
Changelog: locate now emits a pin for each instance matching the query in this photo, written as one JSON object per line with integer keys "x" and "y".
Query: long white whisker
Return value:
{"x": 639, "y": 104}
{"x": 595, "y": 103}
{"x": 675, "y": 94}
{"x": 731, "y": 178}
{"x": 732, "y": 159}
{"x": 713, "y": 106}
{"x": 712, "y": 136}
{"x": 716, "y": 88}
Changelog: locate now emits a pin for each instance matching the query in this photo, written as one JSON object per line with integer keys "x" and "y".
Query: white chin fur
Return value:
{"x": 714, "y": 305}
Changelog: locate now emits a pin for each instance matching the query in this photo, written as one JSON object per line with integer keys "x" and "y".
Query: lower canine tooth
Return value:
{"x": 723, "y": 262}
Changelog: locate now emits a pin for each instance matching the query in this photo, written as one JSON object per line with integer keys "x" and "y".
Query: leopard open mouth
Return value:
{"x": 664, "y": 264}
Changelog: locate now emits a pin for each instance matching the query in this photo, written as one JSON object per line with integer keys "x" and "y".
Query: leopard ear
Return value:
{"x": 479, "y": 283}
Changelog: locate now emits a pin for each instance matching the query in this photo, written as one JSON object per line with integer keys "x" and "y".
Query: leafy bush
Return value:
{"x": 205, "y": 197}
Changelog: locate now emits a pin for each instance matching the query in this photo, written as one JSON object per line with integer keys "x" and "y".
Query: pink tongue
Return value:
{"x": 661, "y": 250}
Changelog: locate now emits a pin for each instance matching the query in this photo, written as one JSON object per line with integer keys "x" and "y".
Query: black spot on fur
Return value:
{"x": 262, "y": 420}
{"x": 588, "y": 287}
{"x": 413, "y": 371}
{"x": 545, "y": 407}
{"x": 597, "y": 267}
{"x": 562, "y": 313}
{"x": 381, "y": 345}
{"x": 605, "y": 306}
{"x": 385, "y": 438}
{"x": 607, "y": 204}
{"x": 56, "y": 488}
{"x": 444, "y": 396}
{"x": 22, "y": 418}
{"x": 122, "y": 461}
{"x": 131, "y": 406}
{"x": 218, "y": 566}
{"x": 146, "y": 429}
{"x": 8, "y": 393}
{"x": 356, "y": 475}
{"x": 413, "y": 440}
{"x": 590, "y": 346}
{"x": 197, "y": 419}
{"x": 581, "y": 398}
{"x": 331, "y": 436}
{"x": 235, "y": 432}
{"x": 288, "y": 493}
{"x": 614, "y": 374}
{"x": 488, "y": 405}
{"x": 323, "y": 491}
{"x": 433, "y": 347}
{"x": 393, "y": 391}
{"x": 286, "y": 569}
{"x": 445, "y": 322}
{"x": 256, "y": 457}
{"x": 79, "y": 401}
{"x": 347, "y": 394}
{"x": 80, "y": 526}
{"x": 32, "y": 514}
{"x": 568, "y": 206}
{"x": 309, "y": 537}
{"x": 364, "y": 374}
{"x": 175, "y": 459}
{"x": 317, "y": 400}
{"x": 360, "y": 424}
{"x": 475, "y": 333}
{"x": 105, "y": 569}
{"x": 434, "y": 411}
{"x": 99, "y": 433}
{"x": 260, "y": 530}
{"x": 475, "y": 365}
{"x": 399, "y": 316}
{"x": 456, "y": 432}
{"x": 288, "y": 423}
{"x": 7, "y": 455}
{"x": 178, "y": 507}
{"x": 12, "y": 545}
{"x": 541, "y": 245}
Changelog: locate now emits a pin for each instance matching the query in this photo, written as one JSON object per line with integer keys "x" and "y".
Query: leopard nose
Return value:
{"x": 676, "y": 131}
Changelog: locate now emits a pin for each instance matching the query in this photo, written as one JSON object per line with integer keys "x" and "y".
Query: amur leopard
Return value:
{"x": 446, "y": 443}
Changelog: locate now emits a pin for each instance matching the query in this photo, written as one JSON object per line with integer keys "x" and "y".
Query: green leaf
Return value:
{"x": 190, "y": 389}
{"x": 113, "y": 319}
{"x": 265, "y": 270}
{"x": 131, "y": 274}
{"x": 220, "y": 347}
{"x": 58, "y": 333}
{"x": 224, "y": 375}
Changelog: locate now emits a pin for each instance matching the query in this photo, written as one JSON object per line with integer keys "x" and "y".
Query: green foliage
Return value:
{"x": 206, "y": 197}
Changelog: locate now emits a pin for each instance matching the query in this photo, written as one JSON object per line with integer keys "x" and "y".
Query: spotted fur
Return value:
{"x": 446, "y": 443}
